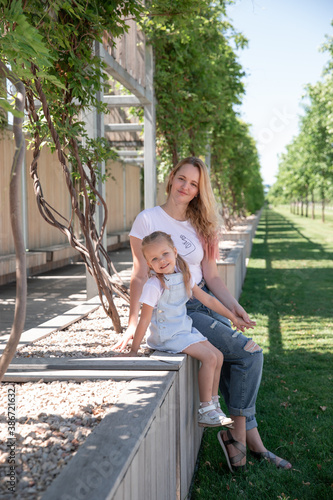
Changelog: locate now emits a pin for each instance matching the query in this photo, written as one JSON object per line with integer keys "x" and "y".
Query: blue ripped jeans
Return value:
{"x": 242, "y": 369}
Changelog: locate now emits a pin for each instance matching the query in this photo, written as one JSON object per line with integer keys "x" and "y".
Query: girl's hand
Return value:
{"x": 241, "y": 315}
{"x": 130, "y": 354}
{"x": 240, "y": 324}
{"x": 122, "y": 343}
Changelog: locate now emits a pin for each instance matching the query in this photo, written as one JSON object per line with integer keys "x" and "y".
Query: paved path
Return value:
{"x": 55, "y": 292}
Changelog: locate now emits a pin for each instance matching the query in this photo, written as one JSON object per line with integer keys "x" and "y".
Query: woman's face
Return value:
{"x": 185, "y": 184}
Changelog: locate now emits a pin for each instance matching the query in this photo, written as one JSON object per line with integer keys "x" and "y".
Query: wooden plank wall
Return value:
{"x": 133, "y": 194}
{"x": 123, "y": 196}
{"x": 115, "y": 198}
{"x": 122, "y": 193}
{"x": 152, "y": 473}
{"x": 40, "y": 233}
{"x": 129, "y": 51}
{"x": 161, "y": 193}
{"x": 164, "y": 464}
{"x": 190, "y": 433}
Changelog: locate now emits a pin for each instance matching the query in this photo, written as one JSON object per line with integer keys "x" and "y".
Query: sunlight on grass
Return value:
{"x": 288, "y": 290}
{"x": 258, "y": 263}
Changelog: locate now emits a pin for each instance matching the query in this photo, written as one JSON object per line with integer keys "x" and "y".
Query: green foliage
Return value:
{"x": 54, "y": 41}
{"x": 196, "y": 76}
{"x": 235, "y": 167}
{"x": 51, "y": 48}
{"x": 198, "y": 80}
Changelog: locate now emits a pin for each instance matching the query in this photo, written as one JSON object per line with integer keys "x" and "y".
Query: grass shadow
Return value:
{"x": 289, "y": 291}
{"x": 295, "y": 422}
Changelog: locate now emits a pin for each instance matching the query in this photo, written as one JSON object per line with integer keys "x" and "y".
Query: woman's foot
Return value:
{"x": 234, "y": 451}
{"x": 280, "y": 463}
{"x": 260, "y": 452}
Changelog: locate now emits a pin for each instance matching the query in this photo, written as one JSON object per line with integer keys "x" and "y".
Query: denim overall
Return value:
{"x": 171, "y": 329}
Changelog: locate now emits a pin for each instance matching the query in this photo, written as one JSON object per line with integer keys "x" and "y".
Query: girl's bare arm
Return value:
{"x": 214, "y": 304}
{"x": 145, "y": 319}
{"x": 138, "y": 279}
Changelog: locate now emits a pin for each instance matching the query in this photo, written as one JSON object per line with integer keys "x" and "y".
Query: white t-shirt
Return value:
{"x": 152, "y": 291}
{"x": 182, "y": 233}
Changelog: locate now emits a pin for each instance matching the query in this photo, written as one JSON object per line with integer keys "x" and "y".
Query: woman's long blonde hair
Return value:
{"x": 182, "y": 266}
{"x": 201, "y": 211}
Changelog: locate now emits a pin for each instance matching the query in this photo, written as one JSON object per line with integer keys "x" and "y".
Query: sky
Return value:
{"x": 282, "y": 57}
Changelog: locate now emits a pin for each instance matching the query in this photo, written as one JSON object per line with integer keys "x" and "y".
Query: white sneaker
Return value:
{"x": 208, "y": 416}
{"x": 225, "y": 421}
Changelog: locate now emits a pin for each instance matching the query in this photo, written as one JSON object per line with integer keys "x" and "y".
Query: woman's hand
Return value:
{"x": 218, "y": 288}
{"x": 125, "y": 339}
{"x": 240, "y": 324}
{"x": 242, "y": 317}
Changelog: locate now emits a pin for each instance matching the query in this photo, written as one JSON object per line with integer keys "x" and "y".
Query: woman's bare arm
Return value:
{"x": 218, "y": 288}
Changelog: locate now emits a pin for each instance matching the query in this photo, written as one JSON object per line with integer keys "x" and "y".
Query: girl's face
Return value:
{"x": 185, "y": 184}
{"x": 161, "y": 257}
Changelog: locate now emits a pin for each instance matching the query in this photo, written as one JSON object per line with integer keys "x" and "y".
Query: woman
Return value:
{"x": 189, "y": 216}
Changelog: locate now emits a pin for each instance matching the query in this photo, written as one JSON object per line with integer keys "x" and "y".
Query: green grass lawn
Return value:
{"x": 288, "y": 290}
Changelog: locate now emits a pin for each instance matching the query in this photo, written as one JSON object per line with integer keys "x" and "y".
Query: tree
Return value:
{"x": 19, "y": 40}
{"x": 198, "y": 81}
{"x": 235, "y": 168}
{"x": 15, "y": 219}
{"x": 196, "y": 76}
{"x": 49, "y": 49}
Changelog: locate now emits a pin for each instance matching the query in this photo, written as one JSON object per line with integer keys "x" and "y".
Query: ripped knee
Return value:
{"x": 252, "y": 347}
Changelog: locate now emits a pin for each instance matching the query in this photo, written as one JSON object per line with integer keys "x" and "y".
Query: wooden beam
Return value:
{"x": 112, "y": 363}
{"x": 126, "y": 144}
{"x": 76, "y": 375}
{"x": 123, "y": 127}
{"x": 150, "y": 177}
{"x": 129, "y": 152}
{"x": 122, "y": 101}
{"x": 95, "y": 129}
{"x": 132, "y": 160}
{"x": 122, "y": 76}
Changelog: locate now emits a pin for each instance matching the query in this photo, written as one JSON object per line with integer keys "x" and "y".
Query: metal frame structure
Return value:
{"x": 141, "y": 96}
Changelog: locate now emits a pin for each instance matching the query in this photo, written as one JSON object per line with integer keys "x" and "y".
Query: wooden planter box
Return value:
{"x": 237, "y": 246}
{"x": 232, "y": 268}
{"x": 242, "y": 232}
{"x": 147, "y": 446}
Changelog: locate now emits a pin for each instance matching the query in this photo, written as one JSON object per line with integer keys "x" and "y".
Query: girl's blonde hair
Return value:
{"x": 180, "y": 262}
{"x": 201, "y": 211}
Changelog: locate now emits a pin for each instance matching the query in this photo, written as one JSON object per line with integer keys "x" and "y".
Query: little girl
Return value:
{"x": 163, "y": 313}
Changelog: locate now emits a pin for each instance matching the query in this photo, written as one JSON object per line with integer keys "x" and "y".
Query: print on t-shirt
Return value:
{"x": 187, "y": 245}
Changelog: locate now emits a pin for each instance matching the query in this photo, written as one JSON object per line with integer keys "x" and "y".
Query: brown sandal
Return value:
{"x": 233, "y": 460}
{"x": 270, "y": 457}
